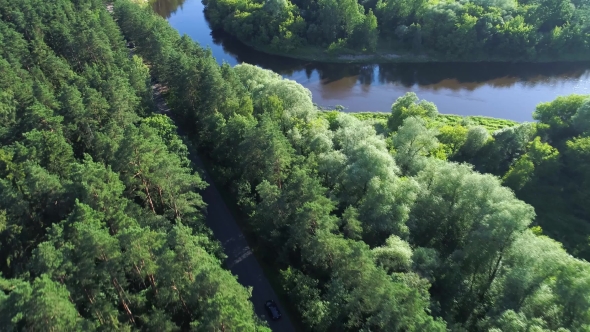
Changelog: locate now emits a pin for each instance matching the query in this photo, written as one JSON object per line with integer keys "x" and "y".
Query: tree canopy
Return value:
{"x": 428, "y": 226}
{"x": 101, "y": 222}
{"x": 371, "y": 232}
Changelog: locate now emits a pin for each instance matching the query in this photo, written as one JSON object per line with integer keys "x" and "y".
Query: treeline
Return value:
{"x": 465, "y": 29}
{"x": 371, "y": 234}
{"x": 101, "y": 225}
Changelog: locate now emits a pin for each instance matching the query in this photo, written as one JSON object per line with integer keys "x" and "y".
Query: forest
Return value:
{"x": 415, "y": 224}
{"x": 387, "y": 232}
{"x": 469, "y": 30}
{"x": 101, "y": 223}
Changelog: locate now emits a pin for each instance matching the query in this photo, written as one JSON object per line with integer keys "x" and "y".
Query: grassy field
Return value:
{"x": 379, "y": 120}
{"x": 491, "y": 124}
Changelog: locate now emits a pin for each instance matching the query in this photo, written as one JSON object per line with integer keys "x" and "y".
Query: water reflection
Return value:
{"x": 492, "y": 89}
{"x": 244, "y": 54}
{"x": 166, "y": 8}
{"x": 470, "y": 76}
{"x": 454, "y": 76}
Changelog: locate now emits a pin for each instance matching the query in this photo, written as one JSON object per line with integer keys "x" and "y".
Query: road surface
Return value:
{"x": 240, "y": 259}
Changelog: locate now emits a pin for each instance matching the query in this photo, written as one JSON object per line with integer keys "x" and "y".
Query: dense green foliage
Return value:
{"x": 452, "y": 29}
{"x": 543, "y": 162}
{"x": 101, "y": 225}
{"x": 371, "y": 233}
{"x": 547, "y": 165}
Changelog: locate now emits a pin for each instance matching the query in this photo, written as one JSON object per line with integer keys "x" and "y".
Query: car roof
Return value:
{"x": 272, "y": 306}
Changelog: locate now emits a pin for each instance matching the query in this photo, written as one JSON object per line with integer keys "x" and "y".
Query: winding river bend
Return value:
{"x": 509, "y": 91}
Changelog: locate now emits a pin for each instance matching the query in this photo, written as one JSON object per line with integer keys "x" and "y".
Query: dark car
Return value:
{"x": 273, "y": 310}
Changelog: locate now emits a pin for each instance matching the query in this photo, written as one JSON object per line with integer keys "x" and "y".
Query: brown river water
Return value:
{"x": 502, "y": 90}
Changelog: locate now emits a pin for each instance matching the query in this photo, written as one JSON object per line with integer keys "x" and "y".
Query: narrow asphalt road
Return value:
{"x": 240, "y": 259}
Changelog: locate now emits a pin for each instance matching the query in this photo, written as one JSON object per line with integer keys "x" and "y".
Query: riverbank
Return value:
{"x": 317, "y": 54}
{"x": 385, "y": 55}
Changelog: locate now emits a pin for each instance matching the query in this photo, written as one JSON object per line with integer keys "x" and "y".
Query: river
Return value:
{"x": 501, "y": 90}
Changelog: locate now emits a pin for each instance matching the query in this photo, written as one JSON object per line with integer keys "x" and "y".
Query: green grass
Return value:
{"x": 379, "y": 120}
{"x": 491, "y": 124}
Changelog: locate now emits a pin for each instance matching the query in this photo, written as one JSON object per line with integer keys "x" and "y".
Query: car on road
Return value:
{"x": 273, "y": 310}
